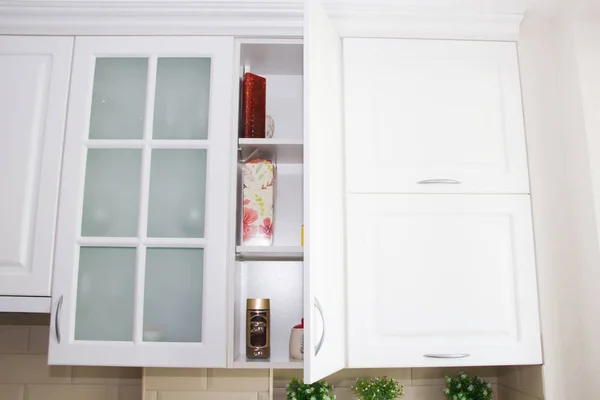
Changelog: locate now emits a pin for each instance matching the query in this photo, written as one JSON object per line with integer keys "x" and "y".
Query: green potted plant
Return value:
{"x": 298, "y": 390}
{"x": 465, "y": 387}
{"x": 380, "y": 388}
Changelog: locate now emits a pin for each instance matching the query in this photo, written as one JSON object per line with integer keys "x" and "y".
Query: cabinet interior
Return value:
{"x": 276, "y": 271}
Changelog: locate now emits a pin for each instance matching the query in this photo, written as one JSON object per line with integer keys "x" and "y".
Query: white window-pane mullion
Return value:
{"x": 150, "y": 93}
{"x": 138, "y": 144}
{"x": 134, "y": 242}
{"x": 180, "y": 144}
{"x": 140, "y": 276}
{"x": 147, "y": 155}
{"x": 114, "y": 144}
{"x": 108, "y": 241}
{"x": 141, "y": 255}
{"x": 175, "y": 242}
{"x": 144, "y": 194}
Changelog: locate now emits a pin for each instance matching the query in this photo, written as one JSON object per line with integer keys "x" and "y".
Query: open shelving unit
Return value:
{"x": 273, "y": 362}
{"x": 281, "y": 151}
{"x": 275, "y": 272}
{"x": 254, "y": 253}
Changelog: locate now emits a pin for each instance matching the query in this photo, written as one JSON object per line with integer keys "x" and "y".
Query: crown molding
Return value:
{"x": 425, "y": 23}
{"x": 248, "y": 18}
{"x": 83, "y": 17}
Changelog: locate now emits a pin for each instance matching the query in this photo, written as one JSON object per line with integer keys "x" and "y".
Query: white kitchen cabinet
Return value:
{"x": 433, "y": 116}
{"x": 140, "y": 271}
{"x": 441, "y": 280}
{"x": 34, "y": 81}
{"x": 304, "y": 97}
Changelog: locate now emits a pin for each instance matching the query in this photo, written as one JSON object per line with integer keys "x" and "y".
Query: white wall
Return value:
{"x": 586, "y": 42}
{"x": 541, "y": 100}
{"x": 560, "y": 92}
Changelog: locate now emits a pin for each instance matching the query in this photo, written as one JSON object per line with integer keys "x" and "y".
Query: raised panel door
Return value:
{"x": 34, "y": 82}
{"x": 441, "y": 280}
{"x": 433, "y": 116}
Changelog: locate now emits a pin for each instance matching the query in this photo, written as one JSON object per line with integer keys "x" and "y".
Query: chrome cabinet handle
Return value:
{"x": 57, "y": 319}
{"x": 320, "y": 310}
{"x": 458, "y": 355}
{"x": 439, "y": 181}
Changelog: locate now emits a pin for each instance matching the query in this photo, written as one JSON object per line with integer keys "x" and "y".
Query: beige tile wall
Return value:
{"x": 419, "y": 383}
{"x": 521, "y": 383}
{"x": 25, "y": 374}
{"x": 223, "y": 384}
{"x": 206, "y": 384}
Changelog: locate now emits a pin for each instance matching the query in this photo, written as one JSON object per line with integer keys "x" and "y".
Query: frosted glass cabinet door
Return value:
{"x": 111, "y": 194}
{"x": 105, "y": 292}
{"x": 118, "y": 98}
{"x": 441, "y": 280}
{"x": 170, "y": 318}
{"x": 182, "y": 98}
{"x": 177, "y": 193}
{"x": 142, "y": 232}
{"x": 34, "y": 81}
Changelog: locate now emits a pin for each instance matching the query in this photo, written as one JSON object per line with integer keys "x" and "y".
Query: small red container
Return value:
{"x": 254, "y": 106}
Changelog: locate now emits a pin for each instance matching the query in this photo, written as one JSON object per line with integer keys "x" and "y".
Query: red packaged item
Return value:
{"x": 255, "y": 105}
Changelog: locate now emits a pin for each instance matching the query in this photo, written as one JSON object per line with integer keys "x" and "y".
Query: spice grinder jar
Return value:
{"x": 258, "y": 329}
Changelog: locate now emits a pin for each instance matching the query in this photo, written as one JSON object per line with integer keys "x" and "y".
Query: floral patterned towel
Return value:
{"x": 258, "y": 203}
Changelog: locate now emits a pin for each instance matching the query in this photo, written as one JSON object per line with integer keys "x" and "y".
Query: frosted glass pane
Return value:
{"x": 112, "y": 191}
{"x": 105, "y": 293}
{"x": 182, "y": 98}
{"x": 119, "y": 98}
{"x": 173, "y": 295}
{"x": 177, "y": 193}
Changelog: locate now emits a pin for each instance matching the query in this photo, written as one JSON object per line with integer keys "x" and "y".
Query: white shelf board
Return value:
{"x": 274, "y": 362}
{"x": 292, "y": 253}
{"x": 281, "y": 151}
{"x": 25, "y": 304}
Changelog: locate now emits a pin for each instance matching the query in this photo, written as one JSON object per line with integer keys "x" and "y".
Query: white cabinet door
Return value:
{"x": 142, "y": 229}
{"x": 441, "y": 280}
{"x": 433, "y": 116}
{"x": 34, "y": 82}
{"x": 324, "y": 278}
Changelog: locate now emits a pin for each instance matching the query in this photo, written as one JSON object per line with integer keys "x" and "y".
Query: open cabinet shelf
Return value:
{"x": 281, "y": 151}
{"x": 273, "y": 253}
{"x": 274, "y": 362}
{"x": 308, "y": 190}
{"x": 274, "y": 271}
{"x": 281, "y": 282}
